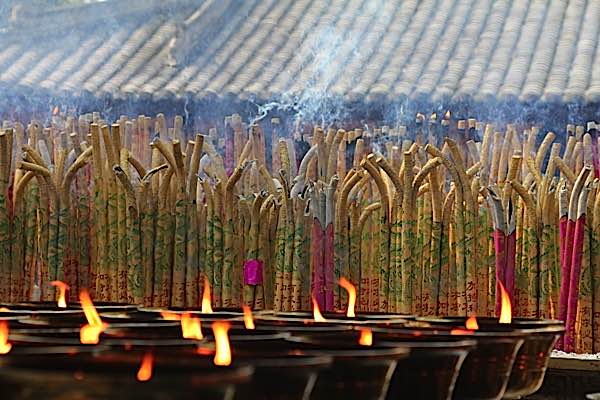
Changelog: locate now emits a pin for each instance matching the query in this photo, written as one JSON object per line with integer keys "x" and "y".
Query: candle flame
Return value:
{"x": 190, "y": 327}
{"x": 4, "y": 345}
{"x": 90, "y": 333}
{"x": 206, "y": 303}
{"x": 248, "y": 320}
{"x": 366, "y": 337}
{"x": 4, "y": 309}
{"x": 145, "y": 372}
{"x": 62, "y": 290}
{"x": 351, "y": 296}
{"x": 505, "y": 310}
{"x": 170, "y": 316}
{"x": 223, "y": 350}
{"x": 317, "y": 316}
{"x": 472, "y": 323}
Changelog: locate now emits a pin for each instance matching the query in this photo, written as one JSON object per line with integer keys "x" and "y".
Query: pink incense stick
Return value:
{"x": 575, "y": 275}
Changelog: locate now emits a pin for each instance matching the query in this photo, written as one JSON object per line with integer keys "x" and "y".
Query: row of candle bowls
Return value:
{"x": 141, "y": 353}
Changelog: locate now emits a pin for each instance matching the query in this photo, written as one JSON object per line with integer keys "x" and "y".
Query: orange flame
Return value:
{"x": 317, "y": 316}
{"x": 248, "y": 320}
{"x": 62, "y": 290}
{"x": 351, "y": 296}
{"x": 90, "y": 333}
{"x": 4, "y": 345}
{"x": 366, "y": 337}
{"x": 206, "y": 304}
{"x": 190, "y": 327}
{"x": 145, "y": 372}
{"x": 170, "y": 316}
{"x": 4, "y": 309}
{"x": 472, "y": 323}
{"x": 505, "y": 310}
{"x": 223, "y": 350}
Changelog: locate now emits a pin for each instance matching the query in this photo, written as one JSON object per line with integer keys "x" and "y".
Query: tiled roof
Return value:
{"x": 386, "y": 50}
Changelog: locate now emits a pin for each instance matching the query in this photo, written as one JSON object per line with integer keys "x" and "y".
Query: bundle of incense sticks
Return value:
{"x": 138, "y": 211}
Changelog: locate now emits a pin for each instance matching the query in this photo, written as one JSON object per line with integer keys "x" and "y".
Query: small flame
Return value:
{"x": 505, "y": 311}
{"x": 170, "y": 316}
{"x": 4, "y": 309}
{"x": 145, "y": 372}
{"x": 223, "y": 350}
{"x": 472, "y": 323}
{"x": 190, "y": 327}
{"x": 366, "y": 337}
{"x": 90, "y": 333}
{"x": 4, "y": 345}
{"x": 206, "y": 303}
{"x": 351, "y": 296}
{"x": 62, "y": 290}
{"x": 248, "y": 320}
{"x": 317, "y": 316}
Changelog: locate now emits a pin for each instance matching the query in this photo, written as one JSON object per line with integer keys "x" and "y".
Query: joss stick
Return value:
{"x": 341, "y": 236}
{"x": 280, "y": 256}
{"x": 166, "y": 222}
{"x": 583, "y": 325}
{"x": 425, "y": 224}
{"x": 575, "y": 265}
{"x": 121, "y": 160}
{"x": 32, "y": 250}
{"x": 218, "y": 244}
{"x": 135, "y": 273}
{"x": 354, "y": 248}
{"x": 595, "y": 266}
{"x": 327, "y": 195}
{"x": 436, "y": 242}
{"x": 178, "y": 293}
{"x": 384, "y": 236}
{"x": 264, "y": 293}
{"x": 470, "y": 283}
{"x": 569, "y": 254}
{"x": 111, "y": 217}
{"x": 209, "y": 269}
{"x": 300, "y": 253}
{"x": 20, "y": 269}
{"x": 395, "y": 258}
{"x": 192, "y": 264}
{"x": 147, "y": 218}
{"x": 4, "y": 217}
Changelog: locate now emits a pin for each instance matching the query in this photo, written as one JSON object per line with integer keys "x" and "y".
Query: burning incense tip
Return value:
{"x": 145, "y": 372}
{"x": 90, "y": 333}
{"x": 223, "y": 350}
{"x": 190, "y": 327}
{"x": 248, "y": 320}
{"x": 62, "y": 290}
{"x": 317, "y": 316}
{"x": 4, "y": 345}
{"x": 505, "y": 311}
{"x": 206, "y": 302}
{"x": 351, "y": 296}
{"x": 366, "y": 337}
{"x": 472, "y": 323}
